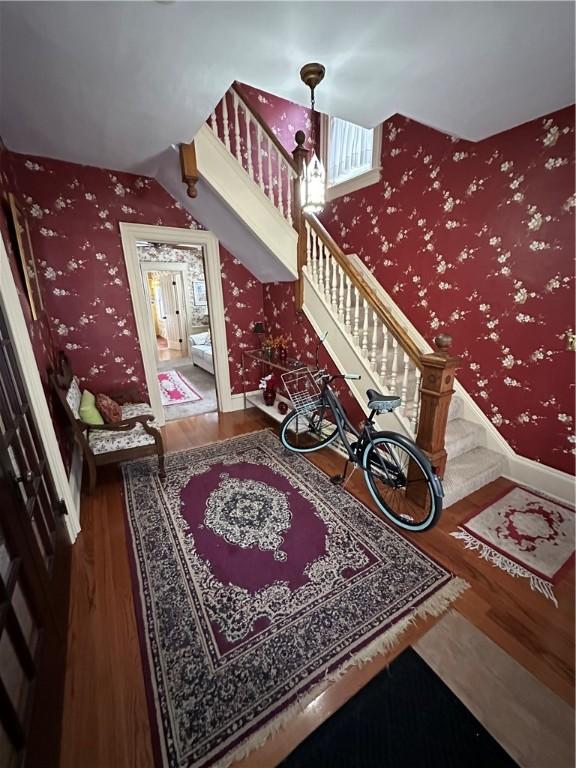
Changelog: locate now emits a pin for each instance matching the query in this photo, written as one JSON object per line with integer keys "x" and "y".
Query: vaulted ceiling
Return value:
{"x": 114, "y": 84}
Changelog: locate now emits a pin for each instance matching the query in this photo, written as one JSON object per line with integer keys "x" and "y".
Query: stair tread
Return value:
{"x": 469, "y": 471}
{"x": 456, "y": 408}
{"x": 461, "y": 436}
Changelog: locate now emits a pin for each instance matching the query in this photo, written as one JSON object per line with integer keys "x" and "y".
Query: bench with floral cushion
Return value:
{"x": 135, "y": 435}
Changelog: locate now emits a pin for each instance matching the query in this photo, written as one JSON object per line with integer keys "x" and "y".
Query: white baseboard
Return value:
{"x": 75, "y": 477}
{"x": 552, "y": 482}
{"x": 237, "y": 401}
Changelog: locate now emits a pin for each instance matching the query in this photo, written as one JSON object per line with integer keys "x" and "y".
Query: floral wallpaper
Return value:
{"x": 74, "y": 213}
{"x": 477, "y": 239}
{"x": 38, "y": 329}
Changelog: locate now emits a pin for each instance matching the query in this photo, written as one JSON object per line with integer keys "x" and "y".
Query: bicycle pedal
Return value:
{"x": 337, "y": 479}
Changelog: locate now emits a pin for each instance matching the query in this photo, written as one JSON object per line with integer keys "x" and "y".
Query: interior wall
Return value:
{"x": 74, "y": 212}
{"x": 39, "y": 329}
{"x": 477, "y": 240}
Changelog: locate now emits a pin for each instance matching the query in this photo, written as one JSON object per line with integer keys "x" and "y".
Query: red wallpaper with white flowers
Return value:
{"x": 478, "y": 240}
{"x": 39, "y": 328}
{"x": 74, "y": 213}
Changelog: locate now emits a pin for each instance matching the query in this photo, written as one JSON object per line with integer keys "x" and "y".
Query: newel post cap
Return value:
{"x": 300, "y": 153}
{"x": 443, "y": 342}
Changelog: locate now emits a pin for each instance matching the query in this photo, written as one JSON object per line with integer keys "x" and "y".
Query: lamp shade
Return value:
{"x": 313, "y": 186}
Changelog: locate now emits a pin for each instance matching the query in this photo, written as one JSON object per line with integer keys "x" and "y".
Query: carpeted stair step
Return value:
{"x": 470, "y": 471}
{"x": 461, "y": 436}
{"x": 456, "y": 407}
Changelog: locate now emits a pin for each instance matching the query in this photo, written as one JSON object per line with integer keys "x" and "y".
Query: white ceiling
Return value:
{"x": 114, "y": 84}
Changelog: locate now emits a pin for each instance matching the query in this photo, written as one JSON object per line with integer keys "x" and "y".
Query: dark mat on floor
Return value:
{"x": 404, "y": 718}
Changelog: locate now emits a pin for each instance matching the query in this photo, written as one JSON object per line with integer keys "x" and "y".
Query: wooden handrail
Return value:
{"x": 367, "y": 291}
{"x": 265, "y": 127}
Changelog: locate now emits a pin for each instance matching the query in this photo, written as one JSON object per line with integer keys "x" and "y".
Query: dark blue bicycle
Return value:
{"x": 399, "y": 476}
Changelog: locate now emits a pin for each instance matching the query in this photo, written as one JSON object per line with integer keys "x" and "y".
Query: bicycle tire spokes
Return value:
{"x": 386, "y": 465}
{"x": 311, "y": 429}
{"x": 400, "y": 485}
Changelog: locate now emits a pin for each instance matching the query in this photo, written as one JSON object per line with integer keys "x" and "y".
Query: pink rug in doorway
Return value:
{"x": 175, "y": 389}
{"x": 525, "y": 534}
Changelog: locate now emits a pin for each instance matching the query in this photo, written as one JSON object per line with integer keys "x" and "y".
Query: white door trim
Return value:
{"x": 131, "y": 234}
{"x": 35, "y": 391}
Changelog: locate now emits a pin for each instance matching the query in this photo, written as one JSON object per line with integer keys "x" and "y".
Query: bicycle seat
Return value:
{"x": 382, "y": 403}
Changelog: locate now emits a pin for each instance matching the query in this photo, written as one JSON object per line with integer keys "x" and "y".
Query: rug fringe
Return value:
{"x": 486, "y": 552}
{"x": 435, "y": 605}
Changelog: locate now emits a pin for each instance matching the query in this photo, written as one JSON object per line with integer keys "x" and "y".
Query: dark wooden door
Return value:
{"x": 34, "y": 582}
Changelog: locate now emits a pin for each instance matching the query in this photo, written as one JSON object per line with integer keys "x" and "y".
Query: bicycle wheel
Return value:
{"x": 401, "y": 481}
{"x": 308, "y": 432}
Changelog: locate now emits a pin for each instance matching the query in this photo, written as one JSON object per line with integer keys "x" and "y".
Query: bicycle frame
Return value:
{"x": 344, "y": 425}
{"x": 389, "y": 467}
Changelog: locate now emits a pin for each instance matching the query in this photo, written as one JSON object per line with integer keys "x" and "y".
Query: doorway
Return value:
{"x": 175, "y": 281}
{"x": 166, "y": 295}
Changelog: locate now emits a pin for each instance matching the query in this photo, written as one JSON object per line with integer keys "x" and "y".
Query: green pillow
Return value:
{"x": 88, "y": 411}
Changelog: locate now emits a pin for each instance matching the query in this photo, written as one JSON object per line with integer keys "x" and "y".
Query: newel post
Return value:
{"x": 438, "y": 369}
{"x": 300, "y": 155}
{"x": 189, "y": 168}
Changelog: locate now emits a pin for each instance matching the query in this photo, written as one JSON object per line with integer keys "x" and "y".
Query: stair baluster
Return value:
{"x": 225, "y": 123}
{"x": 259, "y": 143}
{"x": 236, "y": 128}
{"x": 355, "y": 332}
{"x": 416, "y": 401}
{"x": 347, "y": 316}
{"x": 404, "y": 389}
{"x": 289, "y": 195}
{"x": 270, "y": 177}
{"x": 280, "y": 195}
{"x": 333, "y": 283}
{"x": 364, "y": 328}
{"x": 321, "y": 267}
{"x": 327, "y": 284}
{"x": 340, "y": 291}
{"x": 373, "y": 348}
{"x": 310, "y": 255}
{"x": 249, "y": 145}
{"x": 394, "y": 372}
{"x": 214, "y": 123}
{"x": 384, "y": 362}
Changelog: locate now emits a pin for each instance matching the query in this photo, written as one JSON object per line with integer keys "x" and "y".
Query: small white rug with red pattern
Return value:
{"x": 175, "y": 389}
{"x": 525, "y": 534}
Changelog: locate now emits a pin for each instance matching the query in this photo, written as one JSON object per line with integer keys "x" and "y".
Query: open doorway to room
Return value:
{"x": 174, "y": 281}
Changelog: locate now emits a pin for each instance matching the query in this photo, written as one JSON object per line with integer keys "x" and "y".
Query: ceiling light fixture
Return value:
{"x": 313, "y": 179}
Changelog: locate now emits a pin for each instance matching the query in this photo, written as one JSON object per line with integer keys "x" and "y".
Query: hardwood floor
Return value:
{"x": 105, "y": 711}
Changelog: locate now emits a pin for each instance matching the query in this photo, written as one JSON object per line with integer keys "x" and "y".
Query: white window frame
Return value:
{"x": 361, "y": 180}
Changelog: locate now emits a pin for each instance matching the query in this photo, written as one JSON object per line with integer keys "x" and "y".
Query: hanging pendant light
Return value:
{"x": 313, "y": 178}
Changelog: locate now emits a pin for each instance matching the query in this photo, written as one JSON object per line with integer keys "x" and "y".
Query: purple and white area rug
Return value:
{"x": 256, "y": 583}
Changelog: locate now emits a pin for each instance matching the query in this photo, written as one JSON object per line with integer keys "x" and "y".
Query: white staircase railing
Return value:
{"x": 245, "y": 135}
{"x": 396, "y": 367}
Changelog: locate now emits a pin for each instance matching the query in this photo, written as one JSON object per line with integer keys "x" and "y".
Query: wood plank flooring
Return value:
{"x": 105, "y": 711}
